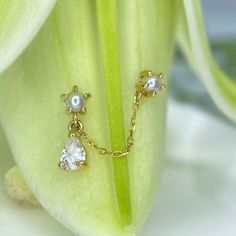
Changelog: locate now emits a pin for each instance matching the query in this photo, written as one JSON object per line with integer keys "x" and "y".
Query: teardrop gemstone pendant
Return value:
{"x": 73, "y": 155}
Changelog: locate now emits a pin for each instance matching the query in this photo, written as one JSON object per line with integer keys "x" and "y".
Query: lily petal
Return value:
{"x": 194, "y": 43}
{"x": 26, "y": 220}
{"x": 20, "y": 21}
{"x": 103, "y": 55}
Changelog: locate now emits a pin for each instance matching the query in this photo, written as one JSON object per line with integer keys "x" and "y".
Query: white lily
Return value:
{"x": 101, "y": 46}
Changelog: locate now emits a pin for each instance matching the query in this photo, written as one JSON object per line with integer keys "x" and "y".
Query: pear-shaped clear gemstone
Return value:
{"x": 73, "y": 155}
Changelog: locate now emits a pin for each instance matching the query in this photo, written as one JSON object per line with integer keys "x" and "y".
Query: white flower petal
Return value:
{"x": 20, "y": 21}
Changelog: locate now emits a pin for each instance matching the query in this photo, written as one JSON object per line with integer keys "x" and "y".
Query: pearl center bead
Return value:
{"x": 153, "y": 84}
{"x": 75, "y": 100}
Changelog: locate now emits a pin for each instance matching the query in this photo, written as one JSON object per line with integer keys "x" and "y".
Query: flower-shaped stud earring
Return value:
{"x": 73, "y": 156}
{"x": 150, "y": 83}
{"x": 75, "y": 101}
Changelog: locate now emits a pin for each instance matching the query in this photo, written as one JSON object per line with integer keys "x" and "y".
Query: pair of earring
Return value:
{"x": 73, "y": 156}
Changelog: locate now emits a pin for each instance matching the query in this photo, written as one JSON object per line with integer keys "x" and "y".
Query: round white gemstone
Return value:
{"x": 75, "y": 100}
{"x": 153, "y": 82}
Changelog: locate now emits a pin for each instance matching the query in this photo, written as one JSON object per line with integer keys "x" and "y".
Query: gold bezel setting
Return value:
{"x": 75, "y": 101}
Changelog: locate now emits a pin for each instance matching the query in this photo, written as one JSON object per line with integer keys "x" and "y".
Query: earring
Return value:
{"x": 73, "y": 156}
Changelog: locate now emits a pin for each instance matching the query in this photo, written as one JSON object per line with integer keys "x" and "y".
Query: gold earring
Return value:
{"x": 73, "y": 156}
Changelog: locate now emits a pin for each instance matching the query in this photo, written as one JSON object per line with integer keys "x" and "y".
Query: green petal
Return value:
{"x": 110, "y": 58}
{"x": 26, "y": 220}
{"x": 194, "y": 42}
{"x": 20, "y": 21}
{"x": 103, "y": 54}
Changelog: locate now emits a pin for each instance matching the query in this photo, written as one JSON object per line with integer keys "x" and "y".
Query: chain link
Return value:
{"x": 130, "y": 139}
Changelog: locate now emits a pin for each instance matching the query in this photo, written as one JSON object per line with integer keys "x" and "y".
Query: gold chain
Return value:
{"x": 130, "y": 139}
{"x": 76, "y": 127}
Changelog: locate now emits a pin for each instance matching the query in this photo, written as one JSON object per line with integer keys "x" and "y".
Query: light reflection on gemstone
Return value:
{"x": 153, "y": 82}
{"x": 72, "y": 154}
{"x": 75, "y": 100}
